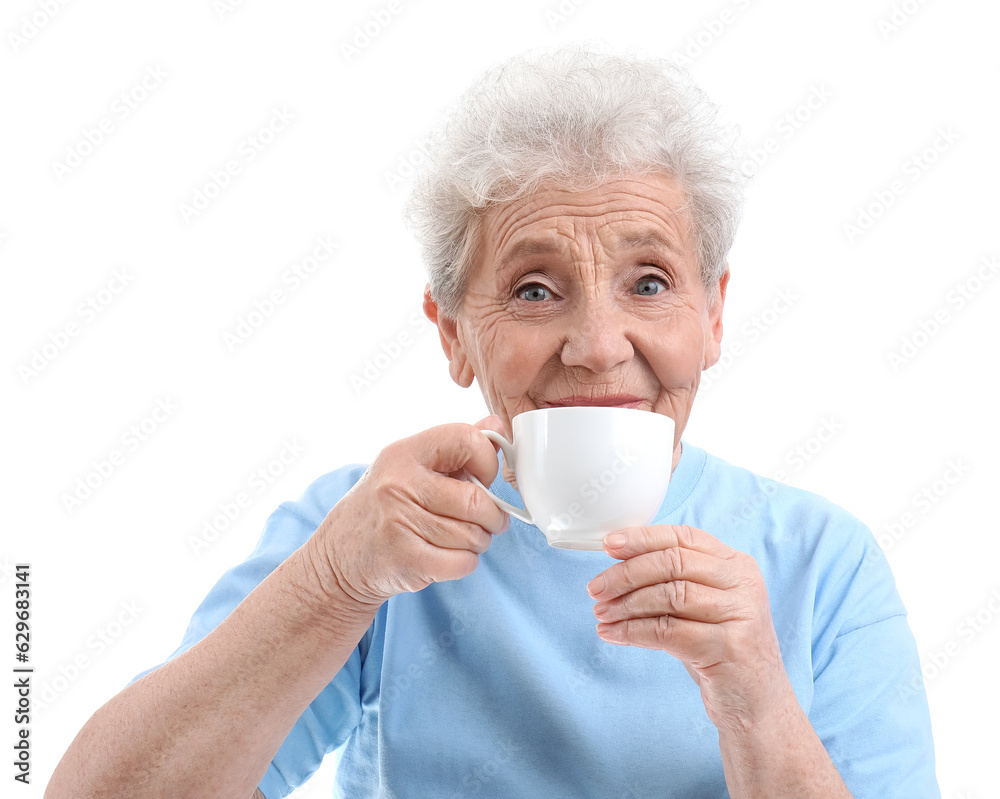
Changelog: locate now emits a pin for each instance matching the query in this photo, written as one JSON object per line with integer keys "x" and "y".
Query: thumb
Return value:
{"x": 492, "y": 422}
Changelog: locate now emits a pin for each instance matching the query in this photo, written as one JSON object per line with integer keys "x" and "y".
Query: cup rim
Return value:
{"x": 570, "y": 409}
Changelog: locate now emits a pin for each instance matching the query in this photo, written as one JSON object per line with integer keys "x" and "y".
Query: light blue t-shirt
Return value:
{"x": 497, "y": 685}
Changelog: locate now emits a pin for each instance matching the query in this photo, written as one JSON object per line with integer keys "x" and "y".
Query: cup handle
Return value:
{"x": 508, "y": 455}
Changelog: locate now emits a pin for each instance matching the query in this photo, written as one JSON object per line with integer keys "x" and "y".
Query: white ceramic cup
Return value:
{"x": 585, "y": 471}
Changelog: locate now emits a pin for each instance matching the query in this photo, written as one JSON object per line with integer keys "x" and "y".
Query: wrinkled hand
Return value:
{"x": 681, "y": 590}
{"x": 412, "y": 519}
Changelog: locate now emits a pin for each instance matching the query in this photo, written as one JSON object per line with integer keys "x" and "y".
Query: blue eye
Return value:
{"x": 649, "y": 286}
{"x": 534, "y": 293}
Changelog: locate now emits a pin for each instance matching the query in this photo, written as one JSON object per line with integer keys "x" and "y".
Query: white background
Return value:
{"x": 335, "y": 170}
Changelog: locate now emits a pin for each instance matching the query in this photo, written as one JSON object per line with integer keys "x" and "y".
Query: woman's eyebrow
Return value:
{"x": 636, "y": 240}
{"x": 525, "y": 248}
{"x": 631, "y": 240}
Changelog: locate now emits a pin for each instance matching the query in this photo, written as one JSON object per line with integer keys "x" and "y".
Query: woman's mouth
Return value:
{"x": 614, "y": 401}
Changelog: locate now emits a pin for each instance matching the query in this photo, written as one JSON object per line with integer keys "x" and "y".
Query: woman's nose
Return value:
{"x": 596, "y": 338}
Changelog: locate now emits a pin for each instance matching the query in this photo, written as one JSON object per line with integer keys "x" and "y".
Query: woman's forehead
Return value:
{"x": 647, "y": 212}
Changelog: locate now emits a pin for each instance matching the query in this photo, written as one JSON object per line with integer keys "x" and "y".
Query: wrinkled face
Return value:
{"x": 587, "y": 298}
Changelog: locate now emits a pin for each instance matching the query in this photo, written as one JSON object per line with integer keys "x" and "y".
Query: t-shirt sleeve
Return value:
{"x": 333, "y": 715}
{"x": 869, "y": 707}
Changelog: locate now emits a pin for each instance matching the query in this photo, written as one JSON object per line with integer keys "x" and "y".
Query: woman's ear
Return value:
{"x": 458, "y": 362}
{"x": 713, "y": 341}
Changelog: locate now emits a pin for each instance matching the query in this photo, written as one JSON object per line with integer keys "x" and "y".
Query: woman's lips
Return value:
{"x": 618, "y": 401}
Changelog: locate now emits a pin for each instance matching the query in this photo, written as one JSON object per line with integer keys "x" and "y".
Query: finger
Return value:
{"x": 443, "y": 563}
{"x": 420, "y": 499}
{"x": 452, "y": 447}
{"x": 632, "y": 541}
{"x": 677, "y": 599}
{"x": 445, "y": 533}
{"x": 463, "y": 501}
{"x": 692, "y": 642}
{"x": 661, "y": 566}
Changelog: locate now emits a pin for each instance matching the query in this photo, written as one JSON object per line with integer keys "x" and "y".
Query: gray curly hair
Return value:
{"x": 573, "y": 117}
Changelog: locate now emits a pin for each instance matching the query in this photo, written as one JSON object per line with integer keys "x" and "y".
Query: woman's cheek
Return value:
{"x": 676, "y": 359}
{"x": 510, "y": 352}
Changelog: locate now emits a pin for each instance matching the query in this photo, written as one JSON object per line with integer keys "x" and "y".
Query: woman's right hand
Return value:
{"x": 412, "y": 520}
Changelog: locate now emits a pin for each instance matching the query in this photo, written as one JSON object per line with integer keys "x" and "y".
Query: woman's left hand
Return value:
{"x": 681, "y": 590}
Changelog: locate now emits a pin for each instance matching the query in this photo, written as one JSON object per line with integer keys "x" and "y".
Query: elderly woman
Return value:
{"x": 576, "y": 216}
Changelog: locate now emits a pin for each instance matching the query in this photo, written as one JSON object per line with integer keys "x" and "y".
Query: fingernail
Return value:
{"x": 609, "y": 632}
{"x": 600, "y": 607}
{"x": 506, "y": 527}
{"x": 598, "y": 584}
{"x": 615, "y": 540}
